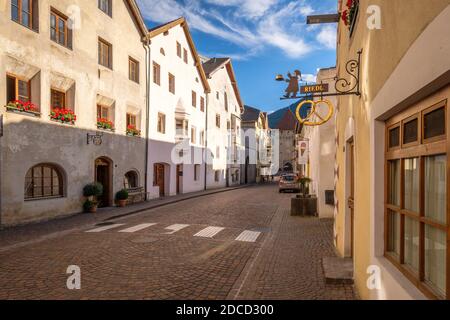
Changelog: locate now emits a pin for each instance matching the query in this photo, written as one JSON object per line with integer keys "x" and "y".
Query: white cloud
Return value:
{"x": 327, "y": 37}
{"x": 252, "y": 25}
{"x": 310, "y": 78}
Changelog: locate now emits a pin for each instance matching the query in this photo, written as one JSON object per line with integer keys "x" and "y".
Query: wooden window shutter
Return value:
{"x": 35, "y": 16}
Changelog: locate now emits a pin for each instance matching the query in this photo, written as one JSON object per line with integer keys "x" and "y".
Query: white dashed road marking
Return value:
{"x": 101, "y": 229}
{"x": 209, "y": 232}
{"x": 138, "y": 228}
{"x": 248, "y": 236}
{"x": 176, "y": 227}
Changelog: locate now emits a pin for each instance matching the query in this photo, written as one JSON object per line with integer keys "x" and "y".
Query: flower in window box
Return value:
{"x": 105, "y": 124}
{"x": 22, "y": 106}
{"x": 350, "y": 14}
{"x": 133, "y": 131}
{"x": 63, "y": 115}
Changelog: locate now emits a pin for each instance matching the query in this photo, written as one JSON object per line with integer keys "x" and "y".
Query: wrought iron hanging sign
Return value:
{"x": 321, "y": 111}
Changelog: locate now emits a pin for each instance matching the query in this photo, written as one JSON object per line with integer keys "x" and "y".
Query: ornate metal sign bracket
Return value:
{"x": 345, "y": 86}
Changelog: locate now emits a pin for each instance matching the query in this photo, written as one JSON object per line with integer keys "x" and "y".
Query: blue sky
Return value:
{"x": 263, "y": 37}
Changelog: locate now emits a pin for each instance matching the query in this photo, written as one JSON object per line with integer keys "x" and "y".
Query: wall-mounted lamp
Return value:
{"x": 96, "y": 139}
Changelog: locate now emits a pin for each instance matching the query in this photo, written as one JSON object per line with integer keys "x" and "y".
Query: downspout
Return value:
{"x": 206, "y": 142}
{"x": 147, "y": 118}
{"x": 1, "y": 156}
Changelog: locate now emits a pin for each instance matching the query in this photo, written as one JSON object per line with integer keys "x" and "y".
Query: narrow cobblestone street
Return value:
{"x": 241, "y": 244}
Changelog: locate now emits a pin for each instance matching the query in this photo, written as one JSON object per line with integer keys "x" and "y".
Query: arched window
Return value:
{"x": 131, "y": 180}
{"x": 44, "y": 181}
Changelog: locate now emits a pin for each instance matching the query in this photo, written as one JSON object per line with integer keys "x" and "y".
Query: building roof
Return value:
{"x": 137, "y": 17}
{"x": 153, "y": 32}
{"x": 212, "y": 65}
{"x": 286, "y": 119}
{"x": 250, "y": 114}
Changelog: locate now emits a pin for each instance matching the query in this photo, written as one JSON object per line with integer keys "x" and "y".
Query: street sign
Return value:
{"x": 317, "y": 88}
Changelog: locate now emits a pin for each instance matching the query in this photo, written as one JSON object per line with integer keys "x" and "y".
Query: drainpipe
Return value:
{"x": 147, "y": 118}
{"x": 206, "y": 142}
{"x": 1, "y": 156}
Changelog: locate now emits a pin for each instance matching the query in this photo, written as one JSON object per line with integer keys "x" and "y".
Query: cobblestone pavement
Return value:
{"x": 157, "y": 263}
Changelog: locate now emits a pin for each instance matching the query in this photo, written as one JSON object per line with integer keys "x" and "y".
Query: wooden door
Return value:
{"x": 179, "y": 177}
{"x": 103, "y": 175}
{"x": 160, "y": 179}
{"x": 351, "y": 199}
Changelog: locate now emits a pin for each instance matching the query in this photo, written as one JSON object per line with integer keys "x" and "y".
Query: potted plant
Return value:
{"x": 63, "y": 115}
{"x": 132, "y": 131}
{"x": 122, "y": 197}
{"x": 22, "y": 106}
{"x": 90, "y": 206}
{"x": 105, "y": 124}
{"x": 349, "y": 14}
{"x": 304, "y": 185}
{"x": 91, "y": 192}
{"x": 304, "y": 204}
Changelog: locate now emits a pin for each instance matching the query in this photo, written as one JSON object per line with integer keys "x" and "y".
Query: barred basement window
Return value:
{"x": 43, "y": 181}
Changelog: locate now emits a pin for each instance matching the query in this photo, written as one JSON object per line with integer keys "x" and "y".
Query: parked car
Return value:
{"x": 289, "y": 182}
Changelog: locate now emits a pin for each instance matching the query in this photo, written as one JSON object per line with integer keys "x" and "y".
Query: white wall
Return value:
{"x": 187, "y": 79}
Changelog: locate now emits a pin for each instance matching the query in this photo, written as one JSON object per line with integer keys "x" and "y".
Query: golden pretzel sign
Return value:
{"x": 314, "y": 118}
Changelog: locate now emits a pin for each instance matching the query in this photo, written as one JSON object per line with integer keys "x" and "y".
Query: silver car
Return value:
{"x": 289, "y": 182}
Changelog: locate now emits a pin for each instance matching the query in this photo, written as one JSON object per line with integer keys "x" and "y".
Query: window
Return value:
{"x": 161, "y": 123}
{"x": 18, "y": 89}
{"x": 416, "y": 210}
{"x": 228, "y": 125}
{"x": 156, "y": 74}
{"x": 131, "y": 120}
{"x": 103, "y": 112}
{"x": 185, "y": 55}
{"x": 394, "y": 137}
{"x": 26, "y": 12}
{"x": 133, "y": 66}
{"x": 59, "y": 30}
{"x": 43, "y": 181}
{"x": 105, "y": 6}
{"x": 194, "y": 99}
{"x": 218, "y": 152}
{"x": 131, "y": 180}
{"x": 217, "y": 176}
{"x": 218, "y": 120}
{"x": 193, "y": 135}
{"x": 202, "y": 104}
{"x": 197, "y": 172}
{"x": 171, "y": 83}
{"x": 217, "y": 95}
{"x": 105, "y": 54}
{"x": 58, "y": 99}
{"x": 226, "y": 101}
{"x": 178, "y": 49}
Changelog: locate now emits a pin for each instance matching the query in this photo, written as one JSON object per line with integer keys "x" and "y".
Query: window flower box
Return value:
{"x": 23, "y": 107}
{"x": 349, "y": 16}
{"x": 65, "y": 116}
{"x": 132, "y": 131}
{"x": 105, "y": 124}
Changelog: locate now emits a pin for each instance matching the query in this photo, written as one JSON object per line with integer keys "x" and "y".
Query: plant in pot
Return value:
{"x": 304, "y": 186}
{"x": 122, "y": 197}
{"x": 91, "y": 192}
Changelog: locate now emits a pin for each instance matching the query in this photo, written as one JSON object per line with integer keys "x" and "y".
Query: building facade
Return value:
{"x": 177, "y": 118}
{"x": 392, "y": 212}
{"x": 256, "y": 141}
{"x": 225, "y": 107}
{"x": 65, "y": 76}
{"x": 288, "y": 128}
{"x": 322, "y": 150}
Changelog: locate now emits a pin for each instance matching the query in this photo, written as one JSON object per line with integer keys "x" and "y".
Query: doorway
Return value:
{"x": 103, "y": 175}
{"x": 159, "y": 174}
{"x": 179, "y": 178}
